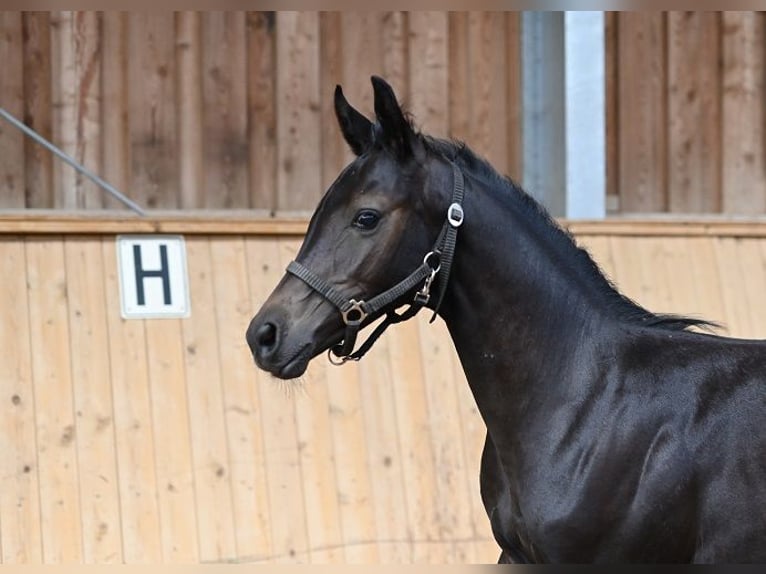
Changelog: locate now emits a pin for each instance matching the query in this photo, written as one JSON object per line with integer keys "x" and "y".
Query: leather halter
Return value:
{"x": 436, "y": 263}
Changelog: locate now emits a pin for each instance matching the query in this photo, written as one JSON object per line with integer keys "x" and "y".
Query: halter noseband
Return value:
{"x": 436, "y": 263}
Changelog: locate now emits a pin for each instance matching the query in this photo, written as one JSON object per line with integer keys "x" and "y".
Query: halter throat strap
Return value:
{"x": 437, "y": 263}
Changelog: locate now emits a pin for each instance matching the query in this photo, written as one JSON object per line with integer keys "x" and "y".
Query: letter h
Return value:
{"x": 142, "y": 274}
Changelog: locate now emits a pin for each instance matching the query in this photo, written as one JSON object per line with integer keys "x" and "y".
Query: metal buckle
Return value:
{"x": 455, "y": 215}
{"x": 355, "y": 306}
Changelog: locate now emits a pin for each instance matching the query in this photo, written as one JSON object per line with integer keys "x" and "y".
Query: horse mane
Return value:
{"x": 625, "y": 308}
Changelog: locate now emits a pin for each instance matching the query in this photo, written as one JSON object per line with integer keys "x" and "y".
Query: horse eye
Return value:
{"x": 366, "y": 219}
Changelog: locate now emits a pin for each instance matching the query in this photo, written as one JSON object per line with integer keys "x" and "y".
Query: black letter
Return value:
{"x": 141, "y": 274}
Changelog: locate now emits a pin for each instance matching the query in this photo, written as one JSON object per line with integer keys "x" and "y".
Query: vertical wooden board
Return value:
{"x": 362, "y": 49}
{"x": 152, "y": 110}
{"x": 20, "y": 528}
{"x": 752, "y": 289}
{"x": 513, "y": 93}
{"x": 298, "y": 107}
{"x": 599, "y": 248}
{"x": 212, "y": 470}
{"x": 76, "y": 117}
{"x": 642, "y": 112}
{"x": 224, "y": 96}
{"x": 451, "y": 473}
{"x": 277, "y": 418}
{"x": 428, "y": 70}
{"x": 411, "y": 406}
{"x": 737, "y": 312}
{"x": 60, "y": 514}
{"x": 242, "y": 405}
{"x": 190, "y": 47}
{"x": 743, "y": 145}
{"x": 627, "y": 269}
{"x": 172, "y": 445}
{"x": 694, "y": 101}
{"x": 261, "y": 103}
{"x": 315, "y": 417}
{"x": 335, "y": 151}
{"x": 384, "y": 458}
{"x": 459, "y": 99}
{"x": 394, "y": 37}
{"x": 487, "y": 84}
{"x": 129, "y": 375}
{"x": 38, "y": 162}
{"x": 676, "y": 268}
{"x": 705, "y": 277}
{"x": 114, "y": 105}
{"x": 99, "y": 494}
{"x": 650, "y": 253}
{"x": 12, "y": 97}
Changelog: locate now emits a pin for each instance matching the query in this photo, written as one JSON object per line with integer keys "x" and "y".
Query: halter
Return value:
{"x": 436, "y": 263}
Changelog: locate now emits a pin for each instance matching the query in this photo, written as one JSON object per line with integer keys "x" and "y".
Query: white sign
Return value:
{"x": 153, "y": 278}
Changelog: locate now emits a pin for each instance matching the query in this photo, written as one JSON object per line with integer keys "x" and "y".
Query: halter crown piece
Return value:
{"x": 437, "y": 263}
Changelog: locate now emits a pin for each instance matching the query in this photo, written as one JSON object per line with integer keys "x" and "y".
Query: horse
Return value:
{"x": 614, "y": 434}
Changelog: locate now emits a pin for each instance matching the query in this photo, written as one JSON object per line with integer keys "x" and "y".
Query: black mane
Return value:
{"x": 627, "y": 309}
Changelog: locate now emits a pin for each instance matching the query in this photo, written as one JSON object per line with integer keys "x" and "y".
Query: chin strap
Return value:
{"x": 436, "y": 263}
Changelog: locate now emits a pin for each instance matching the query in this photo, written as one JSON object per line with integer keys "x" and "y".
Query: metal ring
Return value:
{"x": 354, "y": 306}
{"x": 438, "y": 265}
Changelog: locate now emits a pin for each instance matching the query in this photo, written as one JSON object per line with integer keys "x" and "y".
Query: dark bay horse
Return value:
{"x": 613, "y": 434}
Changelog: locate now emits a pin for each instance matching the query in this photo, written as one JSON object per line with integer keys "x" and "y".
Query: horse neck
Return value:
{"x": 519, "y": 311}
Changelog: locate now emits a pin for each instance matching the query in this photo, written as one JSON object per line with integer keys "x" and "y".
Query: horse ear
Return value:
{"x": 357, "y": 129}
{"x": 396, "y": 130}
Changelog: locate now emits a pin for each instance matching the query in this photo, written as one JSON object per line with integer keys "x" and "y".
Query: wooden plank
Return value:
{"x": 172, "y": 444}
{"x": 451, "y": 476}
{"x": 750, "y": 258}
{"x": 38, "y": 162}
{"x": 91, "y": 371}
{"x": 642, "y": 112}
{"x": 384, "y": 458}
{"x": 189, "y": 50}
{"x": 20, "y": 528}
{"x": 114, "y": 105}
{"x": 335, "y": 151}
{"x": 60, "y": 515}
{"x": 224, "y": 97}
{"x": 76, "y": 74}
{"x": 212, "y": 469}
{"x": 282, "y": 458}
{"x": 12, "y": 98}
{"x": 694, "y": 102}
{"x": 242, "y": 406}
{"x": 428, "y": 70}
{"x": 362, "y": 50}
{"x": 736, "y": 309}
{"x": 261, "y": 101}
{"x": 394, "y": 35}
{"x": 743, "y": 145}
{"x": 298, "y": 107}
{"x": 513, "y": 93}
{"x": 706, "y": 279}
{"x": 459, "y": 72}
{"x": 417, "y": 457}
{"x": 134, "y": 436}
{"x": 152, "y": 100}
{"x": 487, "y": 84}
{"x": 600, "y": 251}
{"x": 321, "y": 457}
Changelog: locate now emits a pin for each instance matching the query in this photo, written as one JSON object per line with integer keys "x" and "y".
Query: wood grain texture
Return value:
{"x": 298, "y": 121}
{"x": 642, "y": 112}
{"x": 12, "y": 100}
{"x": 20, "y": 527}
{"x": 191, "y": 110}
{"x": 744, "y": 147}
{"x": 371, "y": 462}
{"x": 694, "y": 103}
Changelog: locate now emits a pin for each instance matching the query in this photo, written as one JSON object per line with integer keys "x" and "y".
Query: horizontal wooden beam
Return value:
{"x": 26, "y": 222}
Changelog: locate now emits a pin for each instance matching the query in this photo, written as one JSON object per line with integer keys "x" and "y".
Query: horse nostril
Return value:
{"x": 266, "y": 335}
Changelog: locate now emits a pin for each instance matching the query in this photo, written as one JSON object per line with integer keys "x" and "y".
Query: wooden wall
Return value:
{"x": 158, "y": 441}
{"x": 686, "y": 112}
{"x": 233, "y": 110}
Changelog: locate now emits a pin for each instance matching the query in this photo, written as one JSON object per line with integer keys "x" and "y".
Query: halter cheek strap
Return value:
{"x": 436, "y": 263}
